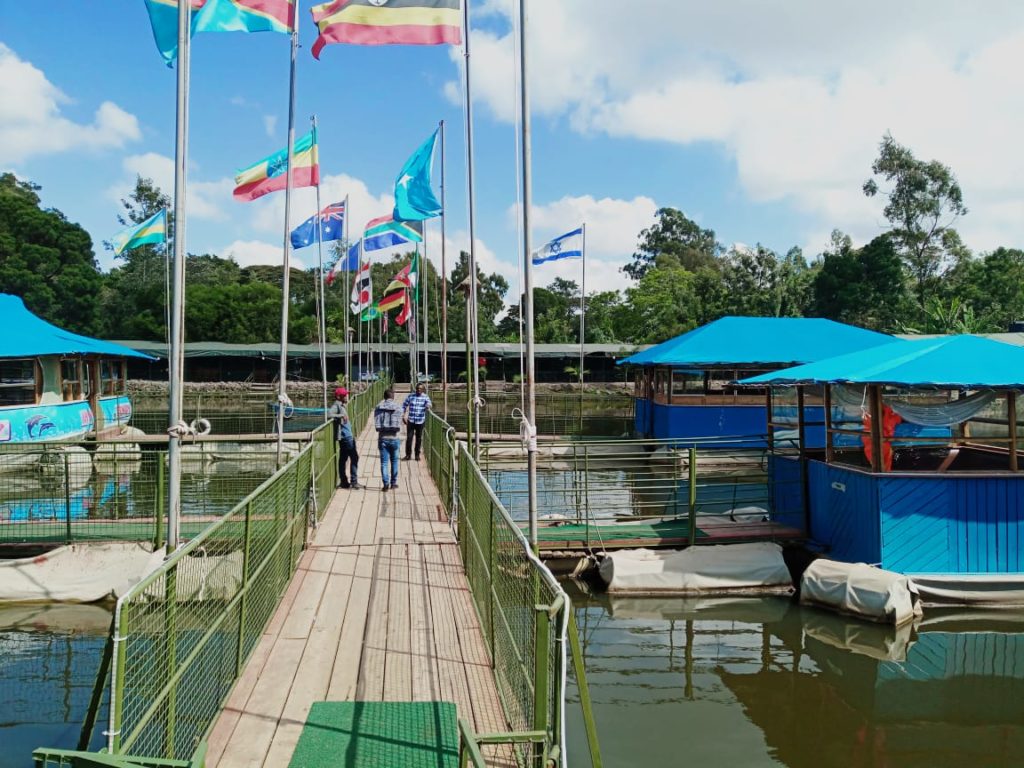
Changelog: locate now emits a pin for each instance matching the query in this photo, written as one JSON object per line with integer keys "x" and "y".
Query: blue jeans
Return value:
{"x": 389, "y": 454}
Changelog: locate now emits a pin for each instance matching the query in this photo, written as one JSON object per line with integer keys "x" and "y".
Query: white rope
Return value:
{"x": 527, "y": 431}
{"x": 181, "y": 430}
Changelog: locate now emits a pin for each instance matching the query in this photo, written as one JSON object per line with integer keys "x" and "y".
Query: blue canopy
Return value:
{"x": 31, "y": 336}
{"x": 947, "y": 362}
{"x": 759, "y": 341}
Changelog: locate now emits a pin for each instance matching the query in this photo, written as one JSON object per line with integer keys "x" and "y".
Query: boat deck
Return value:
{"x": 379, "y": 610}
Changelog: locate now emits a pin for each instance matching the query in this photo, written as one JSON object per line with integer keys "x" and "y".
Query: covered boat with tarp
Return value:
{"x": 57, "y": 385}
{"x": 686, "y": 387}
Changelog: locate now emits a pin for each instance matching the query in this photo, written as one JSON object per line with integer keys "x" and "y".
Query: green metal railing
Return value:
{"x": 439, "y": 445}
{"x": 558, "y": 413}
{"x": 184, "y": 632}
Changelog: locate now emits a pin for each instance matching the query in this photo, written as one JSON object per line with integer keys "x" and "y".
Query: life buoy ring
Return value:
{"x": 201, "y": 427}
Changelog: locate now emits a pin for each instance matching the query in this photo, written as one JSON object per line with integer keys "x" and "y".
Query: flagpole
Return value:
{"x": 359, "y": 324}
{"x": 177, "y": 330}
{"x": 444, "y": 288}
{"x": 282, "y": 392}
{"x": 344, "y": 255}
{"x": 531, "y": 395}
{"x": 321, "y": 296}
{"x": 583, "y": 311}
{"x": 424, "y": 279}
{"x": 471, "y": 309}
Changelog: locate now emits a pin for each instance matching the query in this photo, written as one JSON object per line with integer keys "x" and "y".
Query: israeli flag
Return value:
{"x": 567, "y": 246}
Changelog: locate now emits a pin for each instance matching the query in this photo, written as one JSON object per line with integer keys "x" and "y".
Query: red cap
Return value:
{"x": 340, "y": 392}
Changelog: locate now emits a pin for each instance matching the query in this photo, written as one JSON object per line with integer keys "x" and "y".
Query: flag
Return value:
{"x": 380, "y": 22}
{"x": 414, "y": 199}
{"x": 370, "y": 313}
{"x": 332, "y": 226}
{"x": 152, "y": 230}
{"x": 391, "y": 300}
{"x": 343, "y": 263}
{"x": 268, "y": 175}
{"x": 406, "y": 277}
{"x": 404, "y": 315}
{"x": 385, "y": 232}
{"x": 567, "y": 246}
{"x": 361, "y": 290}
{"x": 217, "y": 16}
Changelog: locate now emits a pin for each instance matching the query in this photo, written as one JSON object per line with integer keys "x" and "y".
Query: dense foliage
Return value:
{"x": 917, "y": 276}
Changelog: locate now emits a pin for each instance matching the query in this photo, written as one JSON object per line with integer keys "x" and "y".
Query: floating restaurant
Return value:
{"x": 942, "y": 504}
{"x": 686, "y": 387}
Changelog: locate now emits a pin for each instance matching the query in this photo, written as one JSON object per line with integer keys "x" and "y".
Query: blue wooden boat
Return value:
{"x": 57, "y": 385}
{"x": 686, "y": 387}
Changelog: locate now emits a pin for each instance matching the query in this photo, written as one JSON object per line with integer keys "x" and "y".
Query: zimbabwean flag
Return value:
{"x": 388, "y": 22}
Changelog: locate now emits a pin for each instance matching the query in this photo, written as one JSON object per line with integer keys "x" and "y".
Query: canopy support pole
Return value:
{"x": 1011, "y": 417}
{"x": 830, "y": 448}
{"x": 877, "y": 465}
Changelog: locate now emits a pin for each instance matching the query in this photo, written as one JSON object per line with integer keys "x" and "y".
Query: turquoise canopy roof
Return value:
{"x": 759, "y": 341}
{"x": 31, "y": 336}
{"x": 947, "y": 362}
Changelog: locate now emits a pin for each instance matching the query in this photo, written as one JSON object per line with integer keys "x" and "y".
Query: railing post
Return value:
{"x": 541, "y": 680}
{"x": 159, "y": 502}
{"x": 171, "y": 635}
{"x": 67, "y": 499}
{"x": 492, "y": 595}
{"x": 586, "y": 489}
{"x": 118, "y": 677}
{"x": 693, "y": 496}
{"x": 243, "y": 604}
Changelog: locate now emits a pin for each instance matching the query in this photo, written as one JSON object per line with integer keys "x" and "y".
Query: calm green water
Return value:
{"x": 762, "y": 682}
{"x": 49, "y": 657}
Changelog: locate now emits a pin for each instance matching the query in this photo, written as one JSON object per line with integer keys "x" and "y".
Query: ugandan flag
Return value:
{"x": 388, "y": 22}
{"x": 268, "y": 175}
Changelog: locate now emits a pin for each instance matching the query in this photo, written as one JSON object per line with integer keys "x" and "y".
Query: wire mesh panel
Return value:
{"x": 439, "y": 444}
{"x": 558, "y": 413}
{"x": 184, "y": 632}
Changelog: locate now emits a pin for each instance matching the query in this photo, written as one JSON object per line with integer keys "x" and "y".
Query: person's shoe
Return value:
{"x": 394, "y": 486}
{"x": 344, "y": 485}
{"x": 384, "y": 489}
{"x": 417, "y": 458}
{"x": 407, "y": 458}
{"x": 354, "y": 486}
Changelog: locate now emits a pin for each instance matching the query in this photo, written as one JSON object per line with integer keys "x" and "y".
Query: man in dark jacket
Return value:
{"x": 387, "y": 418}
{"x": 347, "y": 453}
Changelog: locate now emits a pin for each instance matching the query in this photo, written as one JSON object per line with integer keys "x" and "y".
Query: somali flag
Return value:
{"x": 217, "y": 16}
{"x": 152, "y": 230}
{"x": 567, "y": 246}
{"x": 414, "y": 197}
{"x": 332, "y": 226}
{"x": 385, "y": 232}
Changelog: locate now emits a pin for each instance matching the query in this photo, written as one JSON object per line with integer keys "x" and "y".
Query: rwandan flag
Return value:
{"x": 152, "y": 230}
{"x": 388, "y": 22}
{"x": 385, "y": 232}
{"x": 217, "y": 16}
{"x": 268, "y": 175}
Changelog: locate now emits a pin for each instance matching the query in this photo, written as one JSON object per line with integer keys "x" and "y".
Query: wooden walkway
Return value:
{"x": 379, "y": 610}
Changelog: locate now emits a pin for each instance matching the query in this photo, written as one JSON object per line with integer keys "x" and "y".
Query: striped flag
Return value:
{"x": 567, "y": 246}
{"x": 392, "y": 300}
{"x": 406, "y": 277}
{"x": 344, "y": 263}
{"x": 152, "y": 230}
{"x": 388, "y": 22}
{"x": 361, "y": 290}
{"x": 268, "y": 175}
{"x": 385, "y": 232}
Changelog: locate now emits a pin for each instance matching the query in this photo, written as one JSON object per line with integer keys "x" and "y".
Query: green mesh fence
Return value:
{"x": 439, "y": 445}
{"x": 185, "y": 631}
{"x": 558, "y": 413}
{"x": 523, "y": 611}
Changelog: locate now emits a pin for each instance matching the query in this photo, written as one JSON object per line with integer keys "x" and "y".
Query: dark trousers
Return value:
{"x": 413, "y": 432}
{"x": 347, "y": 454}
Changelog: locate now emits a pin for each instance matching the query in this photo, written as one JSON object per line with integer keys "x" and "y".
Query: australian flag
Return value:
{"x": 332, "y": 226}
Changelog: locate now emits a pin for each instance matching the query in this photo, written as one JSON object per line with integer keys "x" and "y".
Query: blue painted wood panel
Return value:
{"x": 918, "y": 524}
{"x": 844, "y": 517}
{"x": 786, "y": 491}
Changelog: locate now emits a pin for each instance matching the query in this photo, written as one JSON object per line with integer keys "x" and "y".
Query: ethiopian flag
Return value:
{"x": 268, "y": 175}
{"x": 152, "y": 230}
{"x": 388, "y": 22}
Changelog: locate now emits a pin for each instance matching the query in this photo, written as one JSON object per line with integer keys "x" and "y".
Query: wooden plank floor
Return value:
{"x": 378, "y": 610}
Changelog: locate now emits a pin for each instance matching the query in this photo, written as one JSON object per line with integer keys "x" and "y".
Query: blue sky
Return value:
{"x": 759, "y": 123}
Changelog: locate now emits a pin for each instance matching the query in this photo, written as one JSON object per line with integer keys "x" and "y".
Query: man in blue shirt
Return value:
{"x": 347, "y": 452}
{"x": 414, "y": 414}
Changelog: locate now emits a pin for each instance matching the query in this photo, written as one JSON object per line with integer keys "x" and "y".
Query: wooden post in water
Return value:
{"x": 693, "y": 496}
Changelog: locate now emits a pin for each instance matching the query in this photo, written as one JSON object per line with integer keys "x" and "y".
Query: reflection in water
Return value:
{"x": 757, "y": 682}
{"x": 49, "y": 657}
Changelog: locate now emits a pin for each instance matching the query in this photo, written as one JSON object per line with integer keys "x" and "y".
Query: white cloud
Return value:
{"x": 799, "y": 99}
{"x": 31, "y": 119}
{"x": 268, "y": 212}
{"x": 207, "y": 200}
{"x": 270, "y": 125}
{"x": 249, "y": 253}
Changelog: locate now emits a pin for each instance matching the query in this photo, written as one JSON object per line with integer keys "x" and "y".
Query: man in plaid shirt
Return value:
{"x": 414, "y": 415}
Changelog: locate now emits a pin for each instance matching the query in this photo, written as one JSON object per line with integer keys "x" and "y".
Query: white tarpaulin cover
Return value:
{"x": 720, "y": 568}
{"x": 860, "y": 590}
{"x": 78, "y": 573}
{"x": 994, "y": 590}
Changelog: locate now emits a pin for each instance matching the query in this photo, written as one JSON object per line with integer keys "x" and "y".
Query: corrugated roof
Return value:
{"x": 948, "y": 362}
{"x": 30, "y": 336}
{"x": 759, "y": 341}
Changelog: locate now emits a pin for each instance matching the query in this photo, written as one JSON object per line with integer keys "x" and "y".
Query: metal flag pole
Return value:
{"x": 531, "y": 394}
{"x": 321, "y": 295}
{"x": 344, "y": 257}
{"x": 359, "y": 325}
{"x": 177, "y": 317}
{"x": 282, "y": 390}
{"x": 444, "y": 289}
{"x": 424, "y": 268}
{"x": 583, "y": 310}
{"x": 471, "y": 308}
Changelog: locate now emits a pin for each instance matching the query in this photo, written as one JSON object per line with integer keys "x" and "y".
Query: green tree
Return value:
{"x": 662, "y": 305}
{"x": 862, "y": 286}
{"x": 923, "y": 200}
{"x": 673, "y": 240}
{"x": 751, "y": 278}
{"x": 46, "y": 260}
{"x": 492, "y": 288}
